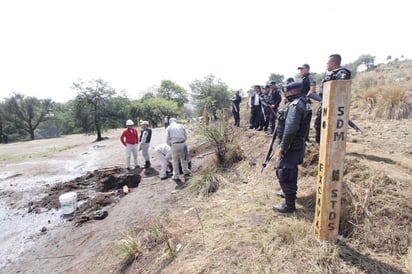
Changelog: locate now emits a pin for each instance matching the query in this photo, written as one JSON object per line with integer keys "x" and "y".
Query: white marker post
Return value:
{"x": 335, "y": 117}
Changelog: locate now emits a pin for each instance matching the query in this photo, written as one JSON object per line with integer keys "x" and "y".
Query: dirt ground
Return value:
{"x": 36, "y": 236}
{"x": 30, "y": 186}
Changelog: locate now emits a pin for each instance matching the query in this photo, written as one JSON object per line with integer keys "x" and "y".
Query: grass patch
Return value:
{"x": 45, "y": 153}
{"x": 206, "y": 183}
{"x": 128, "y": 246}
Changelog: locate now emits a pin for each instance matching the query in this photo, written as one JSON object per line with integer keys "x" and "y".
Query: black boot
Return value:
{"x": 147, "y": 164}
{"x": 288, "y": 206}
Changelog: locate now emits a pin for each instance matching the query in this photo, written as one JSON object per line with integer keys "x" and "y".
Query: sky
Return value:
{"x": 47, "y": 45}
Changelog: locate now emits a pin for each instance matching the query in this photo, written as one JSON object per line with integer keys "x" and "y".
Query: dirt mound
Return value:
{"x": 95, "y": 191}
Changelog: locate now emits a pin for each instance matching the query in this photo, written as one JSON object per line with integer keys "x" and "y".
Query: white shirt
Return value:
{"x": 175, "y": 133}
{"x": 163, "y": 149}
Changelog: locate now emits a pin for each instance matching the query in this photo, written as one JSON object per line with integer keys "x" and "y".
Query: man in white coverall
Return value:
{"x": 164, "y": 153}
{"x": 176, "y": 138}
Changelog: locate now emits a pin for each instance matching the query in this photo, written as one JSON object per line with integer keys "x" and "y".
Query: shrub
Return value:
{"x": 394, "y": 104}
{"x": 222, "y": 137}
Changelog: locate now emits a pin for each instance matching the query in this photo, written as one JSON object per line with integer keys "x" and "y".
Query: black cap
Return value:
{"x": 304, "y": 66}
{"x": 290, "y": 80}
{"x": 294, "y": 85}
{"x": 273, "y": 82}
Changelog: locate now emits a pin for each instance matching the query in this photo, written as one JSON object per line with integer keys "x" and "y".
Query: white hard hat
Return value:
{"x": 172, "y": 120}
{"x": 145, "y": 123}
{"x": 129, "y": 123}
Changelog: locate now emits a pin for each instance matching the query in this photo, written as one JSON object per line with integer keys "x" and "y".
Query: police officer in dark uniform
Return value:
{"x": 274, "y": 101}
{"x": 266, "y": 107}
{"x": 236, "y": 108}
{"x": 308, "y": 86}
{"x": 292, "y": 127}
{"x": 256, "y": 109}
{"x": 334, "y": 71}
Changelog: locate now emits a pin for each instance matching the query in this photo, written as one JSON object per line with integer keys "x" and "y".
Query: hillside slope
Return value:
{"x": 235, "y": 229}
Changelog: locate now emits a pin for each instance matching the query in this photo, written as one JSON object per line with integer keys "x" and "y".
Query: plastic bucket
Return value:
{"x": 68, "y": 202}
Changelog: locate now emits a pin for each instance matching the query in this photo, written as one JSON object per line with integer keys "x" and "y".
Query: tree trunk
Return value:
{"x": 99, "y": 135}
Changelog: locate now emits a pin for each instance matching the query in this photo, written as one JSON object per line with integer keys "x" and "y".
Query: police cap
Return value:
{"x": 294, "y": 85}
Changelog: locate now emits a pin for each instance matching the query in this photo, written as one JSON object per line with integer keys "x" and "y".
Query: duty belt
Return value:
{"x": 180, "y": 142}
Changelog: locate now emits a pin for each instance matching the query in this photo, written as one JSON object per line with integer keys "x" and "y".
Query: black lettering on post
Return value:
{"x": 338, "y": 136}
{"x": 332, "y": 215}
{"x": 341, "y": 111}
{"x": 334, "y": 193}
{"x": 335, "y": 175}
{"x": 324, "y": 111}
{"x": 331, "y": 226}
{"x": 333, "y": 204}
{"x": 339, "y": 123}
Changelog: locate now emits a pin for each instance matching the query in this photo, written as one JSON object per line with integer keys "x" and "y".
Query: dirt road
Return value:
{"x": 32, "y": 168}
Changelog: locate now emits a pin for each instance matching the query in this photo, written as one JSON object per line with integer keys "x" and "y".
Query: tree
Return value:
{"x": 276, "y": 77}
{"x": 172, "y": 91}
{"x": 92, "y": 110}
{"x": 27, "y": 113}
{"x": 153, "y": 109}
{"x": 365, "y": 59}
{"x": 211, "y": 93}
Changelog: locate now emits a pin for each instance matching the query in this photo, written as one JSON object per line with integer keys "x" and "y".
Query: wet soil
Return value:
{"x": 36, "y": 235}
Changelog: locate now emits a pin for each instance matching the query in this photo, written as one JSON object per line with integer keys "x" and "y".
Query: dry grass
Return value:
{"x": 236, "y": 231}
{"x": 386, "y": 92}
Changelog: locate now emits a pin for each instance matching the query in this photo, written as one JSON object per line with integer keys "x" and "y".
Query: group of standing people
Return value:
{"x": 293, "y": 127}
{"x": 264, "y": 107}
{"x": 292, "y": 130}
{"x": 133, "y": 142}
{"x": 175, "y": 148}
{"x": 293, "y": 121}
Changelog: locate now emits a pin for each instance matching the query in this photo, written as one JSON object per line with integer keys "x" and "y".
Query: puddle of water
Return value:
{"x": 3, "y": 213}
{"x": 19, "y": 231}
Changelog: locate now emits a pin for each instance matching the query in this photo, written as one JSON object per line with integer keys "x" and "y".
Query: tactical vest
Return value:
{"x": 300, "y": 136}
{"x": 340, "y": 73}
{"x": 149, "y": 134}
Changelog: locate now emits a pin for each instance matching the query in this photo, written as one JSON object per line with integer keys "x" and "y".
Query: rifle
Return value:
{"x": 234, "y": 106}
{"x": 316, "y": 97}
{"x": 269, "y": 153}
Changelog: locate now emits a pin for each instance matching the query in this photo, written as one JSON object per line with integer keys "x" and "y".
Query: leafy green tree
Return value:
{"x": 210, "y": 93}
{"x": 92, "y": 110}
{"x": 153, "y": 109}
{"x": 119, "y": 110}
{"x": 25, "y": 114}
{"x": 172, "y": 91}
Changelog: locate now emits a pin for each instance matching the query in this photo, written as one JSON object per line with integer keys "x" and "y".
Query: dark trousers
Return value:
{"x": 287, "y": 171}
{"x": 317, "y": 124}
{"x": 255, "y": 117}
{"x": 272, "y": 120}
{"x": 236, "y": 116}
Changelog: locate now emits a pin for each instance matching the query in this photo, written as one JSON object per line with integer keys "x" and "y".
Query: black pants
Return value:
{"x": 255, "y": 115}
{"x": 236, "y": 116}
{"x": 287, "y": 171}
{"x": 317, "y": 124}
